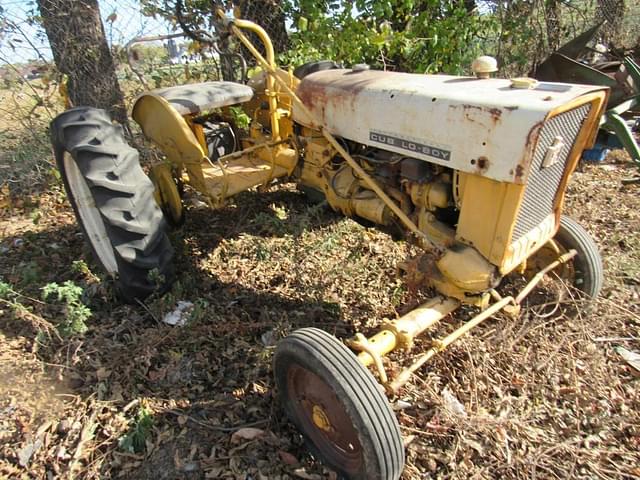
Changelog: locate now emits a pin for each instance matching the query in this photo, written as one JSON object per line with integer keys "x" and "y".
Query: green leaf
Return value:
{"x": 303, "y": 23}
{"x": 379, "y": 39}
{"x": 5, "y": 290}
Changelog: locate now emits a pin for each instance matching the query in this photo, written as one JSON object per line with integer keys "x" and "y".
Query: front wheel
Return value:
{"x": 587, "y": 272}
{"x": 113, "y": 201}
{"x": 338, "y": 406}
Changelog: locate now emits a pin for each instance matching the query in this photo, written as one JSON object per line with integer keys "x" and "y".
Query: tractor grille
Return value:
{"x": 542, "y": 183}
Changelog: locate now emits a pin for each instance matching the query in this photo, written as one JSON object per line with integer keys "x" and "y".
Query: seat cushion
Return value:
{"x": 198, "y": 97}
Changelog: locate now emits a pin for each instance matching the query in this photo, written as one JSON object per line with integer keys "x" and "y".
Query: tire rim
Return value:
{"x": 324, "y": 419}
{"x": 90, "y": 215}
{"x": 170, "y": 201}
{"x": 548, "y": 254}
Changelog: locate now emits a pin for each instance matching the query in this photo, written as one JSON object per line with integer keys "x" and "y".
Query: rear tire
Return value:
{"x": 587, "y": 264}
{"x": 338, "y": 406}
{"x": 113, "y": 201}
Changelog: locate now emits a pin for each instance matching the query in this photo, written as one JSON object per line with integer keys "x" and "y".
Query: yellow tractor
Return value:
{"x": 472, "y": 169}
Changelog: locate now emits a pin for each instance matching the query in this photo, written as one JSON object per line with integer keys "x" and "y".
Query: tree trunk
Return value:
{"x": 80, "y": 50}
{"x": 552, "y": 18}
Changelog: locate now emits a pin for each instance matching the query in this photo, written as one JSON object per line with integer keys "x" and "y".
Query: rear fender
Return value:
{"x": 163, "y": 125}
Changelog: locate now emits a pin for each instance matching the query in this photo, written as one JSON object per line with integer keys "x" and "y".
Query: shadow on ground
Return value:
{"x": 176, "y": 393}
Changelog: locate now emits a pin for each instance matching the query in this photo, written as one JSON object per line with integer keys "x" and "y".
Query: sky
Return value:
{"x": 30, "y": 41}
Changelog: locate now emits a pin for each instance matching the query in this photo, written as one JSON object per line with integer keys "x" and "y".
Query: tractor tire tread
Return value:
{"x": 123, "y": 195}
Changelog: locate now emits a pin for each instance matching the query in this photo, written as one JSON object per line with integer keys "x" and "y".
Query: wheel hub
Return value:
{"x": 547, "y": 254}
{"x": 324, "y": 419}
{"x": 320, "y": 419}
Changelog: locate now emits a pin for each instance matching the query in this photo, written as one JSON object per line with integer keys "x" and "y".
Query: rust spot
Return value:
{"x": 483, "y": 163}
{"x": 466, "y": 106}
{"x": 471, "y": 112}
{"x": 496, "y": 113}
{"x": 469, "y": 117}
{"x": 529, "y": 149}
{"x": 335, "y": 88}
{"x": 314, "y": 97}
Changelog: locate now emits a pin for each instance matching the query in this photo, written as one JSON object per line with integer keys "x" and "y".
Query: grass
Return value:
{"x": 26, "y": 165}
{"x": 534, "y": 390}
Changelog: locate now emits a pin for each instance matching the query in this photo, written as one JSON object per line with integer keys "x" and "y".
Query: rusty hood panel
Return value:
{"x": 477, "y": 126}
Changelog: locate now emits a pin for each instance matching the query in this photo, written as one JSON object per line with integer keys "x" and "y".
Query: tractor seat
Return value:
{"x": 198, "y": 97}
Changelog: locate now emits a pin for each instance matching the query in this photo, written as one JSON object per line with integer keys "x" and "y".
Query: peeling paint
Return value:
{"x": 488, "y": 118}
{"x": 522, "y": 168}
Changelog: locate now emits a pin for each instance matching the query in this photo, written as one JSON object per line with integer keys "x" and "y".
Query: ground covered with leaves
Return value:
{"x": 92, "y": 389}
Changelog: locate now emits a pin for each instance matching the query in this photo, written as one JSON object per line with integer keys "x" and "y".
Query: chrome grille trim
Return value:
{"x": 542, "y": 183}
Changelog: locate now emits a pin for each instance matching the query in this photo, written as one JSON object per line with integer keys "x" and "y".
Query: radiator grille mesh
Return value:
{"x": 543, "y": 183}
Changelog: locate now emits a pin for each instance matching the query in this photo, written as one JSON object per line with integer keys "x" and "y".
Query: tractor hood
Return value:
{"x": 482, "y": 126}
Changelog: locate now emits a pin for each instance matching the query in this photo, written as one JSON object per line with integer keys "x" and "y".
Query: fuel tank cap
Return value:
{"x": 483, "y": 66}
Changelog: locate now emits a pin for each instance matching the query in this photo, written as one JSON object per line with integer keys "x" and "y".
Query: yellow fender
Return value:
{"x": 163, "y": 125}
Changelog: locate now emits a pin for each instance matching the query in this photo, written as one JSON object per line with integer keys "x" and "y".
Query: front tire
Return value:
{"x": 338, "y": 407}
{"x": 588, "y": 274}
{"x": 113, "y": 201}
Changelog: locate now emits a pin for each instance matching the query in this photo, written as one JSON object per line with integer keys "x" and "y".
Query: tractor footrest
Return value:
{"x": 238, "y": 175}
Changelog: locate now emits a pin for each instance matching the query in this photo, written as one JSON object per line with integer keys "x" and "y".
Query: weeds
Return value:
{"x": 69, "y": 294}
{"x": 199, "y": 310}
{"x": 157, "y": 279}
{"x": 262, "y": 251}
{"x": 81, "y": 267}
{"x": 241, "y": 119}
{"x": 14, "y": 300}
{"x": 268, "y": 223}
{"x": 30, "y": 273}
{"x": 134, "y": 441}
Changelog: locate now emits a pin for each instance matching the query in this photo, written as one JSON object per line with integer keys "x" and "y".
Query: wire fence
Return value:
{"x": 23, "y": 40}
{"x": 145, "y": 50}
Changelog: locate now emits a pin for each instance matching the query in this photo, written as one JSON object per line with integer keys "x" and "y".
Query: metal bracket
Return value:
{"x": 361, "y": 344}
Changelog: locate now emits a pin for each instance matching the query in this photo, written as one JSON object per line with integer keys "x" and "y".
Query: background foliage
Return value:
{"x": 427, "y": 36}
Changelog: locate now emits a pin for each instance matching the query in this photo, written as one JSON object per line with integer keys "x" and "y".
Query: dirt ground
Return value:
{"x": 543, "y": 396}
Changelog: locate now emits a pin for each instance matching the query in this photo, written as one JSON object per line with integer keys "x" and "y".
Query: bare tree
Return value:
{"x": 80, "y": 50}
